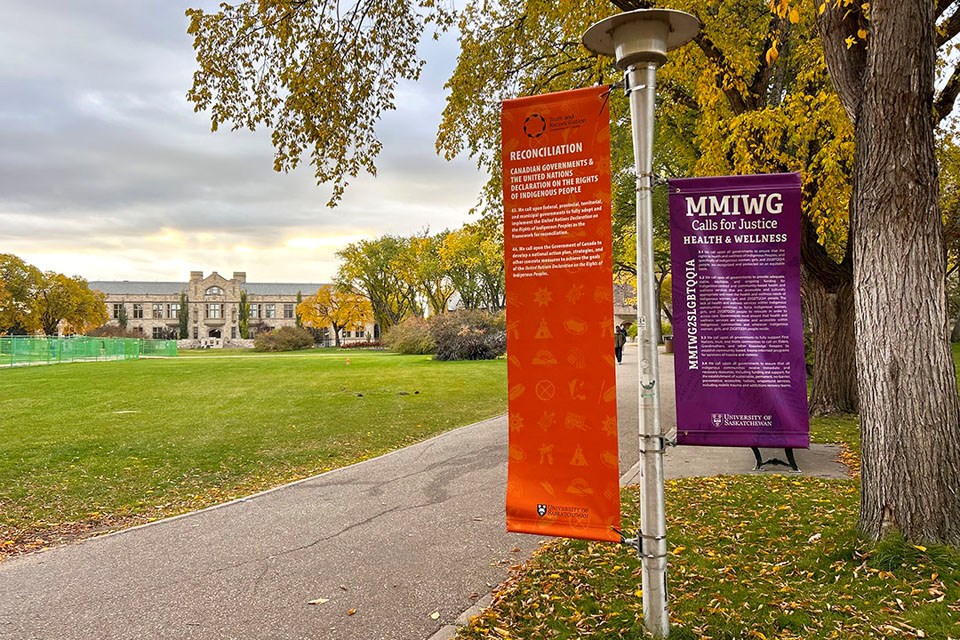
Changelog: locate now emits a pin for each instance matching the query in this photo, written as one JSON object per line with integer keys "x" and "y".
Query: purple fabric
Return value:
{"x": 738, "y": 333}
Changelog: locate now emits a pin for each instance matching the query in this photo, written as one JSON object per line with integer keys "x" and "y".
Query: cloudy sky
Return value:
{"x": 106, "y": 172}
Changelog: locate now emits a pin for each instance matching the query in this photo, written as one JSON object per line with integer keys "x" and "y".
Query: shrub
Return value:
{"x": 469, "y": 335}
{"x": 283, "y": 339}
{"x": 366, "y": 344}
{"x": 410, "y": 337}
{"x": 666, "y": 329}
{"x": 113, "y": 331}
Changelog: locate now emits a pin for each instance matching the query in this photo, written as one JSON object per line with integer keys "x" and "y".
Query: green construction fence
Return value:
{"x": 24, "y": 350}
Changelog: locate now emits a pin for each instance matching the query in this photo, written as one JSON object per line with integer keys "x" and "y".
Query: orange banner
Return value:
{"x": 563, "y": 474}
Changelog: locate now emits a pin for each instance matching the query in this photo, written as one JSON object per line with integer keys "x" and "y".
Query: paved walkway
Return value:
{"x": 393, "y": 548}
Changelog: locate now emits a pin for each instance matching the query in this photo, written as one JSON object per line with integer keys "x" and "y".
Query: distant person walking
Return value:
{"x": 620, "y": 339}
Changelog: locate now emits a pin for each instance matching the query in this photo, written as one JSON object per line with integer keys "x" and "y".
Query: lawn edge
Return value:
{"x": 247, "y": 498}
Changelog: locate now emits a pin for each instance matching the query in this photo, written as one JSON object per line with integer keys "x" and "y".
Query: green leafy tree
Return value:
{"x": 374, "y": 268}
{"x": 70, "y": 301}
{"x": 423, "y": 267}
{"x": 244, "y": 315}
{"x": 299, "y": 317}
{"x": 317, "y": 75}
{"x": 6, "y": 298}
{"x": 183, "y": 316}
{"x": 19, "y": 283}
{"x": 122, "y": 318}
{"x": 472, "y": 257}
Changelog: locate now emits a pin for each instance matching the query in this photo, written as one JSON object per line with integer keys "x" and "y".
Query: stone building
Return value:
{"x": 153, "y": 308}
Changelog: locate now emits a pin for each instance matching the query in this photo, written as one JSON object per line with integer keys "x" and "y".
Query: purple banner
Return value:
{"x": 738, "y": 334}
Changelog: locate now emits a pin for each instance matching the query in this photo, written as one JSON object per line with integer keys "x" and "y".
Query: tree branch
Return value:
{"x": 677, "y": 93}
{"x": 737, "y": 102}
{"x": 948, "y": 29}
{"x": 944, "y": 101}
{"x": 846, "y": 65}
{"x": 942, "y": 6}
{"x": 818, "y": 262}
{"x": 758, "y": 85}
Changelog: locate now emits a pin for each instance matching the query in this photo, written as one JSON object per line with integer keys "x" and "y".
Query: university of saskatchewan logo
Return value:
{"x": 717, "y": 419}
{"x": 534, "y": 125}
{"x": 541, "y": 510}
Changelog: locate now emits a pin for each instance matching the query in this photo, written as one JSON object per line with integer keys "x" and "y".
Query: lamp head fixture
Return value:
{"x": 644, "y": 35}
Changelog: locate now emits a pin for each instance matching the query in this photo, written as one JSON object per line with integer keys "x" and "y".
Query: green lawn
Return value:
{"x": 89, "y": 446}
{"x": 762, "y": 556}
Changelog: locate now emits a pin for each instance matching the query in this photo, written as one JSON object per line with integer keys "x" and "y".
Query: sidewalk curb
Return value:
{"x": 449, "y": 631}
{"x": 258, "y": 494}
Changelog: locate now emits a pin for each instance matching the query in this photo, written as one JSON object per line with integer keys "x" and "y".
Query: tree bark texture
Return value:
{"x": 908, "y": 387}
{"x": 831, "y": 318}
{"x": 845, "y": 63}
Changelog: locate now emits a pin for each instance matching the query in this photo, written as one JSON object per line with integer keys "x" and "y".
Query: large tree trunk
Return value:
{"x": 908, "y": 387}
{"x": 831, "y": 317}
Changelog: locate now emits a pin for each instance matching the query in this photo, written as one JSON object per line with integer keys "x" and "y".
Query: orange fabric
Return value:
{"x": 563, "y": 474}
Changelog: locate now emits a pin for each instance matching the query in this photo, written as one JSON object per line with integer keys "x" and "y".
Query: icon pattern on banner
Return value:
{"x": 547, "y": 420}
{"x": 578, "y": 459}
{"x": 577, "y": 389}
{"x": 575, "y": 422}
{"x": 579, "y": 487}
{"x": 610, "y": 426}
{"x": 577, "y": 358}
{"x": 546, "y": 390}
{"x": 575, "y": 293}
{"x": 543, "y": 297}
{"x": 602, "y": 295}
{"x": 544, "y": 358}
{"x": 546, "y": 454}
{"x": 543, "y": 331}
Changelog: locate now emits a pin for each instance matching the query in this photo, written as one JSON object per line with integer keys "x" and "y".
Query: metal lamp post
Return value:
{"x": 639, "y": 41}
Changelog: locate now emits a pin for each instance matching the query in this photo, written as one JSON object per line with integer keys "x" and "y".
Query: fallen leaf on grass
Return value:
{"x": 351, "y": 612}
{"x": 319, "y": 601}
{"x": 435, "y": 615}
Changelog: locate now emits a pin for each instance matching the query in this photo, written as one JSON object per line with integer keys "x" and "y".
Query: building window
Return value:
{"x": 117, "y": 307}
{"x": 157, "y": 311}
{"x": 288, "y": 311}
{"x": 173, "y": 310}
{"x": 254, "y": 310}
{"x": 195, "y": 333}
{"x": 213, "y": 311}
{"x": 158, "y": 333}
{"x": 270, "y": 311}
{"x": 346, "y": 334}
{"x": 213, "y": 291}
{"x": 138, "y": 311}
{"x": 233, "y": 333}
